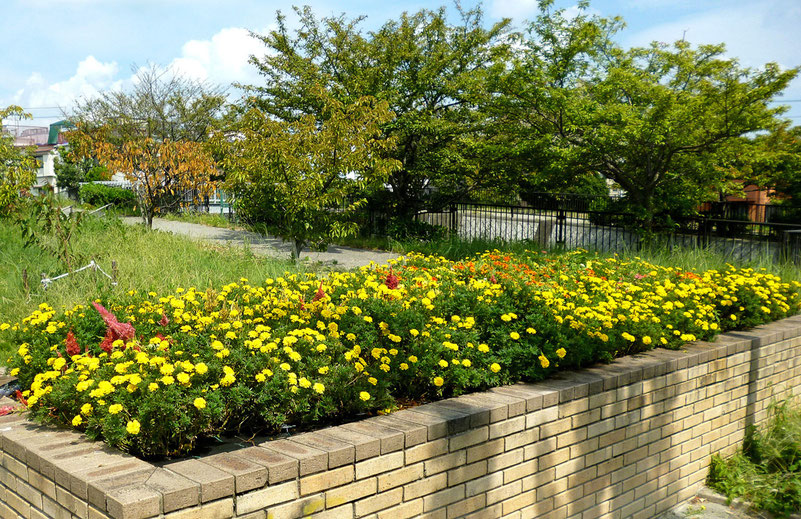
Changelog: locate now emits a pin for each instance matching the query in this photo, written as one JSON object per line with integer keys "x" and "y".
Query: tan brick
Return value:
{"x": 479, "y": 452}
{"x": 133, "y": 502}
{"x": 425, "y": 486}
{"x": 400, "y": 477}
{"x": 302, "y": 507}
{"x": 426, "y": 451}
{"x": 520, "y": 470}
{"x": 222, "y": 509}
{"x": 266, "y": 497}
{"x": 448, "y": 461}
{"x": 352, "y": 492}
{"x": 214, "y": 483}
{"x": 379, "y": 502}
{"x": 542, "y": 417}
{"x": 380, "y": 464}
{"x": 472, "y": 437}
{"x": 504, "y": 492}
{"x": 340, "y": 512}
{"x": 484, "y": 484}
{"x": 466, "y": 473}
{"x": 443, "y": 498}
{"x": 465, "y": 506}
{"x": 403, "y": 511}
{"x": 519, "y": 501}
{"x": 521, "y": 439}
{"x": 507, "y": 427}
{"x": 326, "y": 480}
{"x": 41, "y": 483}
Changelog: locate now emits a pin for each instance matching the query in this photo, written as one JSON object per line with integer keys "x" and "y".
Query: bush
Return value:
{"x": 100, "y": 195}
{"x": 154, "y": 373}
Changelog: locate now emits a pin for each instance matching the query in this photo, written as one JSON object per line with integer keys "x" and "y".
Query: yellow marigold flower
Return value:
{"x": 323, "y": 370}
{"x": 414, "y": 332}
{"x": 544, "y": 361}
{"x": 78, "y": 420}
{"x": 531, "y": 330}
{"x": 319, "y": 388}
{"x": 133, "y": 427}
{"x": 201, "y": 368}
{"x": 466, "y": 363}
{"x": 167, "y": 380}
{"x": 86, "y": 409}
{"x": 438, "y": 381}
{"x": 443, "y": 363}
{"x": 167, "y": 369}
{"x": 629, "y": 337}
{"x": 561, "y": 353}
{"x": 646, "y": 340}
{"x": 304, "y": 382}
{"x": 183, "y": 378}
{"x": 372, "y": 380}
{"x": 364, "y": 395}
{"x": 483, "y": 348}
{"x": 200, "y": 403}
{"x": 495, "y": 367}
{"x": 514, "y": 335}
{"x": 403, "y": 366}
{"x": 412, "y": 358}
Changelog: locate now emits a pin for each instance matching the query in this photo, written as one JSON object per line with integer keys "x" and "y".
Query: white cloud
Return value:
{"x": 223, "y": 59}
{"x": 90, "y": 77}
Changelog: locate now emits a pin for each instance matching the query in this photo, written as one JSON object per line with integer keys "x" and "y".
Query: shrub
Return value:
{"x": 100, "y": 195}
{"x": 154, "y": 373}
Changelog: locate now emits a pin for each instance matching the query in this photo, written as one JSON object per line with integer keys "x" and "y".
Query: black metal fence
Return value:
{"x": 585, "y": 223}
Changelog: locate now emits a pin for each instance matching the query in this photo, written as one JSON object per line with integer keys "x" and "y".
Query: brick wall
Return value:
{"x": 625, "y": 440}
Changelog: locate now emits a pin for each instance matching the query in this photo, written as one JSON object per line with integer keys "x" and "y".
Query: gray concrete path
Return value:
{"x": 337, "y": 256}
{"x": 708, "y": 504}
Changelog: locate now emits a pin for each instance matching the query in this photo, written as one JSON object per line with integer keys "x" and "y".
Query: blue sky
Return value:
{"x": 56, "y": 52}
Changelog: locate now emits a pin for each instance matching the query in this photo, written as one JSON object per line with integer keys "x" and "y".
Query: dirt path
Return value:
{"x": 340, "y": 257}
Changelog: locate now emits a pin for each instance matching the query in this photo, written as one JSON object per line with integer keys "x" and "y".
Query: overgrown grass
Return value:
{"x": 146, "y": 260}
{"x": 767, "y": 471}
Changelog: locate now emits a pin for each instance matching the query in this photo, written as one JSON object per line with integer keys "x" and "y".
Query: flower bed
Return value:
{"x": 152, "y": 374}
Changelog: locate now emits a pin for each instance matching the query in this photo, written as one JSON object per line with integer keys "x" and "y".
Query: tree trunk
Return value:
{"x": 298, "y": 247}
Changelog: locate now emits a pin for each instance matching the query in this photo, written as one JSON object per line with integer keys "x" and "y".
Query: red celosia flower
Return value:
{"x": 124, "y": 331}
{"x": 73, "y": 348}
{"x": 392, "y": 280}
{"x": 164, "y": 320}
{"x": 105, "y": 344}
{"x": 320, "y": 294}
{"x": 21, "y": 398}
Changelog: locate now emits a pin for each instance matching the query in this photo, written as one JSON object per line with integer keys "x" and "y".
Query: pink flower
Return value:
{"x": 124, "y": 331}
{"x": 164, "y": 320}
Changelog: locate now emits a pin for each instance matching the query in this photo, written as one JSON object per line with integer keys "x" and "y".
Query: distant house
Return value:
{"x": 46, "y": 142}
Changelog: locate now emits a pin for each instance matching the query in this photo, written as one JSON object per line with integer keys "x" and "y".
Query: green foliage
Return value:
{"x": 71, "y": 171}
{"x": 433, "y": 74}
{"x": 43, "y": 224}
{"x": 650, "y": 119}
{"x": 99, "y": 195}
{"x": 303, "y": 180}
{"x": 17, "y": 166}
{"x": 767, "y": 472}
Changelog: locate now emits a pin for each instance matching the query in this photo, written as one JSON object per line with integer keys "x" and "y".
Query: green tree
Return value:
{"x": 155, "y": 135}
{"x": 71, "y": 171}
{"x": 647, "y": 118}
{"x": 17, "y": 166}
{"x": 433, "y": 75}
{"x": 301, "y": 179}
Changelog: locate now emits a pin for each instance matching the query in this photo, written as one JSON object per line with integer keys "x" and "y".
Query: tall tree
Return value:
{"x": 301, "y": 179}
{"x": 646, "y": 118}
{"x": 432, "y": 73}
{"x": 17, "y": 166}
{"x": 154, "y": 134}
